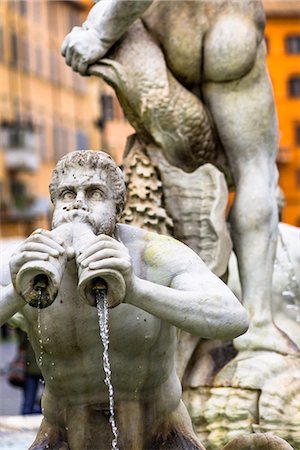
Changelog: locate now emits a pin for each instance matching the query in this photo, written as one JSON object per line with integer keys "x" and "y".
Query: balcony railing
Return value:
{"x": 18, "y": 140}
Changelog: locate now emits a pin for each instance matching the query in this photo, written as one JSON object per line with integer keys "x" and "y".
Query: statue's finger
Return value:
{"x": 118, "y": 264}
{"x": 97, "y": 247}
{"x": 69, "y": 56}
{"x": 18, "y": 260}
{"x": 82, "y": 67}
{"x": 74, "y": 63}
{"x": 103, "y": 254}
{"x": 47, "y": 240}
{"x": 39, "y": 247}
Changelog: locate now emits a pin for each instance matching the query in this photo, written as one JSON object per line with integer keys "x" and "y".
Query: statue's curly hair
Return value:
{"x": 96, "y": 160}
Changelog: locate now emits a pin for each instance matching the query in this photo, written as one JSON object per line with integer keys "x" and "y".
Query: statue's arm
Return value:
{"x": 181, "y": 290}
{"x": 10, "y": 301}
{"x": 197, "y": 301}
{"x": 106, "y": 23}
{"x": 111, "y": 18}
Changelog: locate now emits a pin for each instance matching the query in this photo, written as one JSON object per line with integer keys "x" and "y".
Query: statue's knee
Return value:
{"x": 230, "y": 48}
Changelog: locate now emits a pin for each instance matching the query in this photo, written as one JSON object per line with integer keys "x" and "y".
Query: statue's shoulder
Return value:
{"x": 130, "y": 234}
{"x": 157, "y": 249}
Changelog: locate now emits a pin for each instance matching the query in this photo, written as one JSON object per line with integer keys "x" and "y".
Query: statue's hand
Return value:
{"x": 81, "y": 48}
{"x": 39, "y": 246}
{"x": 106, "y": 253}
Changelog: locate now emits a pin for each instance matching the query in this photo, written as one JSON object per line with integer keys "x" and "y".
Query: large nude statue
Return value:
{"x": 192, "y": 79}
{"x": 158, "y": 284}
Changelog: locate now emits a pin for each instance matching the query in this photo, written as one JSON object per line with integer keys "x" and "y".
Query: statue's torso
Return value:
{"x": 65, "y": 337}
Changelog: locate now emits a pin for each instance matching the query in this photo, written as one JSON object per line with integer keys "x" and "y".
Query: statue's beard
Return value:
{"x": 106, "y": 226}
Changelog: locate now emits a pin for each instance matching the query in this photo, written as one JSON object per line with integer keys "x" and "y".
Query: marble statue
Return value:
{"x": 286, "y": 281}
{"x": 154, "y": 284}
{"x": 192, "y": 80}
{"x": 229, "y": 394}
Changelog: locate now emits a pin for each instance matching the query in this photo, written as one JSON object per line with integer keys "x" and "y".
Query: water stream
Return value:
{"x": 39, "y": 298}
{"x": 102, "y": 308}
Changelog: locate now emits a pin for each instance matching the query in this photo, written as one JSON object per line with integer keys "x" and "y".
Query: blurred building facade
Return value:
{"x": 283, "y": 42}
{"x": 47, "y": 110}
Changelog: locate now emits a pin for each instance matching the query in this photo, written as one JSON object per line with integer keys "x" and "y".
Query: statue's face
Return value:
{"x": 85, "y": 195}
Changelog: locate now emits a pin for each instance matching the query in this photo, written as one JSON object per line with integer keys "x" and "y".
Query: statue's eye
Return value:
{"x": 68, "y": 195}
{"x": 96, "y": 194}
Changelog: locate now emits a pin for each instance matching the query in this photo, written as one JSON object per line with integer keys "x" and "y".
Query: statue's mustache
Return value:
{"x": 79, "y": 214}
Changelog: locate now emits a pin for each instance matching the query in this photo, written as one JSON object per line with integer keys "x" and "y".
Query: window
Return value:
{"x": 294, "y": 86}
{"x": 297, "y": 133}
{"x": 1, "y": 44}
{"x": 38, "y": 61}
{"x": 56, "y": 142}
{"x": 60, "y": 141}
{"x": 19, "y": 194}
{"x": 298, "y": 178}
{"x": 107, "y": 107}
{"x": 42, "y": 142}
{"x": 292, "y": 44}
{"x": 81, "y": 140}
{"x": 23, "y": 7}
{"x": 13, "y": 49}
{"x": 25, "y": 63}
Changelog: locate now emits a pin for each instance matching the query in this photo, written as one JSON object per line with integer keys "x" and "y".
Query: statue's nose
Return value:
{"x": 79, "y": 204}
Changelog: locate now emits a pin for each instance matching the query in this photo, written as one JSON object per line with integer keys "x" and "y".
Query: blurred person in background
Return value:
{"x": 24, "y": 373}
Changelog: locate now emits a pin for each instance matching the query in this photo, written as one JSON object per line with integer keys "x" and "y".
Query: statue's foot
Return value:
{"x": 265, "y": 336}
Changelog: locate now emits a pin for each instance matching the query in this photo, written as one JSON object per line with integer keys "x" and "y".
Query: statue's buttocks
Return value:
{"x": 176, "y": 24}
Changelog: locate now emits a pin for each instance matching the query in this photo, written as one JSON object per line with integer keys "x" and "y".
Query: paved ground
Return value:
{"x": 18, "y": 432}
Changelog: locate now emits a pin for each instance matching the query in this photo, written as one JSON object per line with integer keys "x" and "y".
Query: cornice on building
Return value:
{"x": 282, "y": 8}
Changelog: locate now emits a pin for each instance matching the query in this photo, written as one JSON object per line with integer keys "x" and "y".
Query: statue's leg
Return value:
{"x": 244, "y": 114}
{"x": 175, "y": 433}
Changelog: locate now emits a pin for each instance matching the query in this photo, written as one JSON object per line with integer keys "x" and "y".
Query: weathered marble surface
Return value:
{"x": 167, "y": 286}
{"x": 255, "y": 392}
